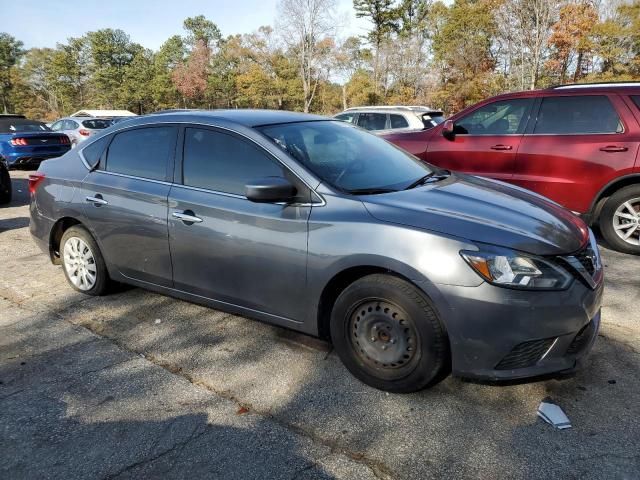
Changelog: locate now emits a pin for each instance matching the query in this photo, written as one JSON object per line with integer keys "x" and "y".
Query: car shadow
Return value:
{"x": 13, "y": 223}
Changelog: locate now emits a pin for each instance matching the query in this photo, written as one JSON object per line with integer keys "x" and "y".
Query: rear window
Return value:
{"x": 432, "y": 119}
{"x": 13, "y": 125}
{"x": 579, "y": 114}
{"x": 143, "y": 152}
{"x": 372, "y": 121}
{"x": 97, "y": 124}
{"x": 398, "y": 121}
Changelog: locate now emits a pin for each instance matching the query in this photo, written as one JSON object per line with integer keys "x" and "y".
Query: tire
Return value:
{"x": 92, "y": 277}
{"x": 616, "y": 220}
{"x": 388, "y": 335}
{"x": 5, "y": 186}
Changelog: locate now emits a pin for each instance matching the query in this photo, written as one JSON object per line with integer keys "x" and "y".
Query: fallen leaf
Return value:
{"x": 242, "y": 411}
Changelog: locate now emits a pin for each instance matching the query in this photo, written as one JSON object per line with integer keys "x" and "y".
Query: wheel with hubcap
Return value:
{"x": 620, "y": 220}
{"x": 82, "y": 262}
{"x": 388, "y": 335}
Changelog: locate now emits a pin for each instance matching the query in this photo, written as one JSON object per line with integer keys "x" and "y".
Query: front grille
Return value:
{"x": 525, "y": 354}
{"x": 582, "y": 339}
{"x": 584, "y": 265}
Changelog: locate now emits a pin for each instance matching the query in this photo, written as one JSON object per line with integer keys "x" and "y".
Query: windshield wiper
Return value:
{"x": 439, "y": 175}
{"x": 371, "y": 191}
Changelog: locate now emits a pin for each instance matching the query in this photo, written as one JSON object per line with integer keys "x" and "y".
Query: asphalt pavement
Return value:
{"x": 140, "y": 385}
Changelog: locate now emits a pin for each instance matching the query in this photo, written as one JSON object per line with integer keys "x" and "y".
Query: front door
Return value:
{"x": 125, "y": 202}
{"x": 225, "y": 247}
{"x": 485, "y": 141}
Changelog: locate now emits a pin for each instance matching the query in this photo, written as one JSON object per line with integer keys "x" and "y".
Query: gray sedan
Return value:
{"x": 78, "y": 129}
{"x": 318, "y": 226}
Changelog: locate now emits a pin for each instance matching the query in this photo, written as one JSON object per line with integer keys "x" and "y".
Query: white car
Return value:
{"x": 383, "y": 119}
{"x": 79, "y": 129}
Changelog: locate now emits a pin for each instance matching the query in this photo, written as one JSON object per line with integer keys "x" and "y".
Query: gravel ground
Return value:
{"x": 140, "y": 385}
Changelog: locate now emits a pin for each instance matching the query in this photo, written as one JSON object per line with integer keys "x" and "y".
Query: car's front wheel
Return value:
{"x": 620, "y": 220}
{"x": 82, "y": 262}
{"x": 388, "y": 335}
{"x": 5, "y": 186}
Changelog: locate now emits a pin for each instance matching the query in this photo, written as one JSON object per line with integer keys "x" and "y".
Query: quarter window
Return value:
{"x": 224, "y": 163}
{"x": 142, "y": 152}
{"x": 398, "y": 121}
{"x": 372, "y": 121}
{"x": 504, "y": 117}
{"x": 347, "y": 117}
{"x": 577, "y": 115}
{"x": 93, "y": 153}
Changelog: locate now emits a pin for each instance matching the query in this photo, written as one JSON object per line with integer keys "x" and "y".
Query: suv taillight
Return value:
{"x": 35, "y": 179}
{"x": 19, "y": 142}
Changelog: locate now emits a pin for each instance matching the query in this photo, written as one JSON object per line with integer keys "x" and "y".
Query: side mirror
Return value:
{"x": 448, "y": 129}
{"x": 270, "y": 190}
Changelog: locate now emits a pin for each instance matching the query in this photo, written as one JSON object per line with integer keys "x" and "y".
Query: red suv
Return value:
{"x": 576, "y": 144}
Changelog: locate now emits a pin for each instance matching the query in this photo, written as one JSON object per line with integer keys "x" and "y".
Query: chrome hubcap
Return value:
{"x": 79, "y": 263}
{"x": 626, "y": 221}
{"x": 382, "y": 335}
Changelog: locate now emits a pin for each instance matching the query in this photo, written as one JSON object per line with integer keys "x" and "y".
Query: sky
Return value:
{"x": 148, "y": 22}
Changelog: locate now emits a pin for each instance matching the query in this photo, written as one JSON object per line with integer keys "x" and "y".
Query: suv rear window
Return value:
{"x": 12, "y": 125}
{"x": 577, "y": 114}
{"x": 97, "y": 124}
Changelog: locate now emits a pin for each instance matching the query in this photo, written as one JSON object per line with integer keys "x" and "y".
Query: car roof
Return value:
{"x": 415, "y": 109}
{"x": 245, "y": 117}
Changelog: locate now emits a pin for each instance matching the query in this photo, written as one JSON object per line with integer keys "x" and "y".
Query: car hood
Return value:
{"x": 485, "y": 211}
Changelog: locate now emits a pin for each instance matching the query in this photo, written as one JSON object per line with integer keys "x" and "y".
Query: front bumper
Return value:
{"x": 503, "y": 334}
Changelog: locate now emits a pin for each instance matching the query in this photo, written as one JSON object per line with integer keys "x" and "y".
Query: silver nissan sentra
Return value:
{"x": 315, "y": 225}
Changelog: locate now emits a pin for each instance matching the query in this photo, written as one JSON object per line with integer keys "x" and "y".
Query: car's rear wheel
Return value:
{"x": 5, "y": 186}
{"x": 620, "y": 220}
{"x": 82, "y": 262}
{"x": 388, "y": 335}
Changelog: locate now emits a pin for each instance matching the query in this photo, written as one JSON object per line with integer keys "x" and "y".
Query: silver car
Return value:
{"x": 385, "y": 119}
{"x": 78, "y": 129}
{"x": 315, "y": 225}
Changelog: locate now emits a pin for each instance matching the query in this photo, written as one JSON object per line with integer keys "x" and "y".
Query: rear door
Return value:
{"x": 577, "y": 144}
{"x": 236, "y": 251}
{"x": 125, "y": 202}
{"x": 485, "y": 140}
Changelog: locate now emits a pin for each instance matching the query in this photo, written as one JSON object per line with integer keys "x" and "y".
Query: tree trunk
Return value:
{"x": 344, "y": 96}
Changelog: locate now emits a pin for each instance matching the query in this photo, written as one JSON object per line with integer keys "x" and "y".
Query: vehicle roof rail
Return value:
{"x": 595, "y": 84}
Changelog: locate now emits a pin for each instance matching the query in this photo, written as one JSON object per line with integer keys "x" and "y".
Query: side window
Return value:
{"x": 142, "y": 152}
{"x": 57, "y": 126}
{"x": 70, "y": 125}
{"x": 636, "y": 100}
{"x": 398, "y": 121}
{"x": 222, "y": 162}
{"x": 504, "y": 117}
{"x": 93, "y": 153}
{"x": 577, "y": 115}
{"x": 372, "y": 121}
{"x": 347, "y": 117}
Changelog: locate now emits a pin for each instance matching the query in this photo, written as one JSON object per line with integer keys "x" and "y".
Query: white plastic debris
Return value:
{"x": 157, "y": 321}
{"x": 553, "y": 414}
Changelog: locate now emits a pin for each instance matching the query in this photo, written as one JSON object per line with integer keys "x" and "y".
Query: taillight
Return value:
{"x": 19, "y": 142}
{"x": 64, "y": 140}
{"x": 35, "y": 179}
{"x": 84, "y": 132}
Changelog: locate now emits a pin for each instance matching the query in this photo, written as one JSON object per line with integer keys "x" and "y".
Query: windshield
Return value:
{"x": 96, "y": 124}
{"x": 347, "y": 157}
{"x": 13, "y": 125}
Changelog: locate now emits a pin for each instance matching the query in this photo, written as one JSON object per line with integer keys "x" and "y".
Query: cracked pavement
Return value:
{"x": 98, "y": 388}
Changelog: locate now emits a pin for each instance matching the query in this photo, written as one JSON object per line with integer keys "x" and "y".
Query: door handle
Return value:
{"x": 501, "y": 147}
{"x": 613, "y": 148}
{"x": 97, "y": 200}
{"x": 187, "y": 217}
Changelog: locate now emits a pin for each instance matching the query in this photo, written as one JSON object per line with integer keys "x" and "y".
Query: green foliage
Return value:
{"x": 10, "y": 53}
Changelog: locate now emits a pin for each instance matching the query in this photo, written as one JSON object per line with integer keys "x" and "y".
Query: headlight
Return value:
{"x": 516, "y": 270}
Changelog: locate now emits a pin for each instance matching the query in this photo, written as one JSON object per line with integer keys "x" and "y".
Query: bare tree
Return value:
{"x": 304, "y": 26}
{"x": 526, "y": 26}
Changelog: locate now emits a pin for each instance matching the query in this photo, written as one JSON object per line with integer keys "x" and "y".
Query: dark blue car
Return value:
{"x": 25, "y": 143}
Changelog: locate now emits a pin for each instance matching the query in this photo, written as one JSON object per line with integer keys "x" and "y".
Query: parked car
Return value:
{"x": 383, "y": 119}
{"x": 575, "y": 144}
{"x": 5, "y": 183}
{"x": 78, "y": 129}
{"x": 25, "y": 143}
{"x": 318, "y": 226}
